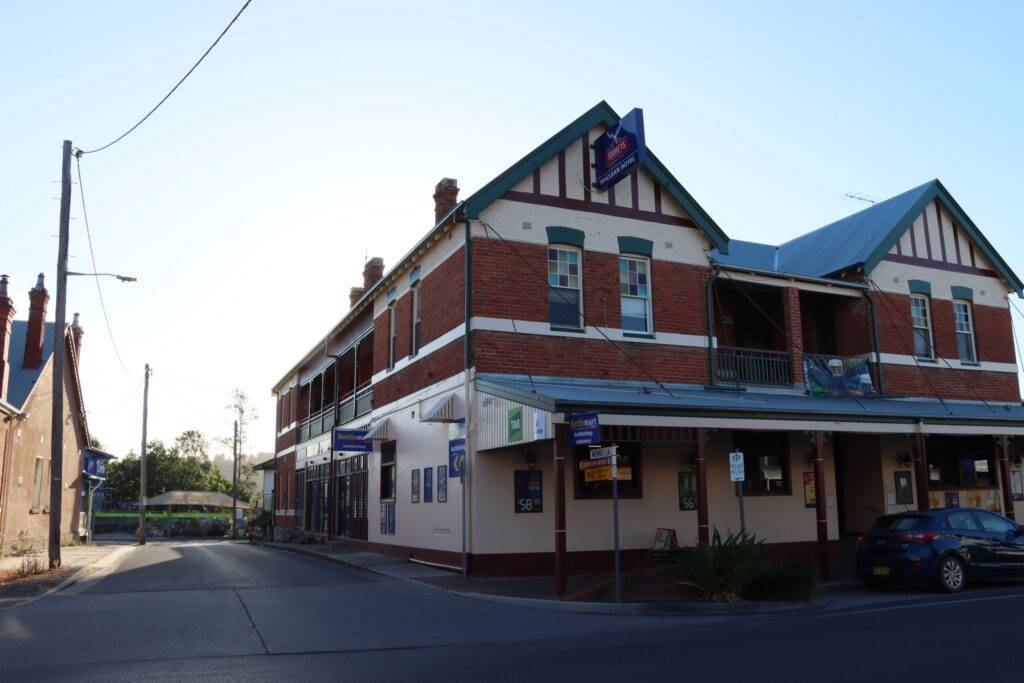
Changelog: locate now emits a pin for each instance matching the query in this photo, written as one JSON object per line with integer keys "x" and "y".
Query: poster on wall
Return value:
{"x": 442, "y": 483}
{"x": 904, "y": 489}
{"x": 1017, "y": 485}
{"x": 687, "y": 480}
{"x": 976, "y": 499}
{"x": 415, "y": 486}
{"x": 529, "y": 491}
{"x": 383, "y": 519}
{"x": 428, "y": 485}
{"x": 810, "y": 490}
{"x": 992, "y": 501}
{"x": 391, "y": 519}
{"x": 935, "y": 500}
{"x": 952, "y": 499}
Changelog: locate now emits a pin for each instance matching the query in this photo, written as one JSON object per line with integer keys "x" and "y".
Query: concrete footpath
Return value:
{"x": 533, "y": 592}
{"x": 78, "y": 563}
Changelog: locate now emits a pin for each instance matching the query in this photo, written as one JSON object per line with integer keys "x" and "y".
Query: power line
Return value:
{"x": 92, "y": 256}
{"x": 119, "y": 405}
{"x": 176, "y": 85}
{"x": 186, "y": 404}
{"x": 195, "y": 383}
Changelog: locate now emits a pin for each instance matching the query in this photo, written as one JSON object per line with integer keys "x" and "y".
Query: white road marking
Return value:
{"x": 936, "y": 603}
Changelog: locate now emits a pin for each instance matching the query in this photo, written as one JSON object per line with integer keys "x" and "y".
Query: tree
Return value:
{"x": 192, "y": 443}
{"x": 243, "y": 414}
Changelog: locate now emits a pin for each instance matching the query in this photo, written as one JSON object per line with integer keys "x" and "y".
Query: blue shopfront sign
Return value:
{"x": 352, "y": 440}
{"x": 456, "y": 457}
{"x": 620, "y": 150}
{"x": 584, "y": 428}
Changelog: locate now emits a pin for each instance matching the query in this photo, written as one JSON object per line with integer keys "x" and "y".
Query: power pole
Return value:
{"x": 57, "y": 415}
{"x": 234, "y": 486}
{"x": 142, "y": 460}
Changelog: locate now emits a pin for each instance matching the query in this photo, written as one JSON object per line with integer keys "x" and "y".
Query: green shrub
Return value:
{"x": 722, "y": 568}
{"x": 789, "y": 581}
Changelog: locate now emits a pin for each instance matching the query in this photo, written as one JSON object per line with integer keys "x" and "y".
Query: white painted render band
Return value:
{"x": 544, "y": 329}
{"x": 941, "y": 363}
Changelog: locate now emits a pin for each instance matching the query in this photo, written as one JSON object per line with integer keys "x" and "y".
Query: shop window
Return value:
{"x": 956, "y": 470}
{"x": 921, "y": 318}
{"x": 564, "y": 289}
{"x": 635, "y": 294}
{"x": 388, "y": 479}
{"x": 766, "y": 461}
{"x": 964, "y": 332}
{"x": 629, "y": 456}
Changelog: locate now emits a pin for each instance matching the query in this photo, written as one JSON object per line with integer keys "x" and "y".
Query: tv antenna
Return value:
{"x": 859, "y": 198}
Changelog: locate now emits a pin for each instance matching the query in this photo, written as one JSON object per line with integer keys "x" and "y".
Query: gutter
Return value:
{"x": 796, "y": 278}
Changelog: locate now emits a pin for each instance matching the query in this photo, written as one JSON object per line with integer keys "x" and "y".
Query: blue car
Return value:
{"x": 947, "y": 547}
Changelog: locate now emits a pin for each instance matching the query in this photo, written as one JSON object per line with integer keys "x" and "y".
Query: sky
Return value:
{"x": 313, "y": 135}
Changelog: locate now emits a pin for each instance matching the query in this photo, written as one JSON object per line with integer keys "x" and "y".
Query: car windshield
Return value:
{"x": 901, "y": 523}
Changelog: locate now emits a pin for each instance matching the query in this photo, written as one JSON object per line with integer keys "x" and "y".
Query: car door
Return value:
{"x": 1005, "y": 543}
{"x": 974, "y": 541}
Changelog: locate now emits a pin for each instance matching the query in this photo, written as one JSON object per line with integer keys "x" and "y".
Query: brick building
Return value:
{"x": 26, "y": 375}
{"x": 863, "y": 367}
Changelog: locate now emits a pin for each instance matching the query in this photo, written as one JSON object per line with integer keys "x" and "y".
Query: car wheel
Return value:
{"x": 952, "y": 575}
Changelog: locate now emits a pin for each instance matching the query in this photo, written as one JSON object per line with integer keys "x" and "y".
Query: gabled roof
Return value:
{"x": 22, "y": 380}
{"x": 601, "y": 113}
{"x": 862, "y": 239}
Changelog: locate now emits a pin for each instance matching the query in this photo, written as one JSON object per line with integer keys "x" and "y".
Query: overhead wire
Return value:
{"x": 185, "y": 404}
{"x": 171, "y": 91}
{"x": 120, "y": 405}
{"x": 95, "y": 270}
{"x": 508, "y": 312}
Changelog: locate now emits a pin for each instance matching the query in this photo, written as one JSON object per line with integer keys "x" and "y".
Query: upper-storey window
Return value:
{"x": 392, "y": 335}
{"x": 964, "y": 332}
{"x": 564, "y": 289}
{"x": 635, "y": 290}
{"x": 920, "y": 316}
{"x": 414, "y": 341}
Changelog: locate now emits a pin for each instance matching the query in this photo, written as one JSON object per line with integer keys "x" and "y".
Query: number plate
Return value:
{"x": 881, "y": 571}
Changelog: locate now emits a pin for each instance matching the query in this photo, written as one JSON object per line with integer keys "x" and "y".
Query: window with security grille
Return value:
{"x": 964, "y": 332}
{"x": 921, "y": 319}
{"x": 564, "y": 287}
{"x": 635, "y": 291}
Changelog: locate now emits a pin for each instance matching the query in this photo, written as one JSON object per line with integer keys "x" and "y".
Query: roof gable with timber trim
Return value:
{"x": 599, "y": 114}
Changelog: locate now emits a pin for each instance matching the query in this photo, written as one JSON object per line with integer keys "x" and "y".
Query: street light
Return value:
{"x": 122, "y": 278}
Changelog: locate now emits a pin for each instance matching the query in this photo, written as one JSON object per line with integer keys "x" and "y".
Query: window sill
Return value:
{"x": 926, "y": 360}
{"x": 970, "y": 364}
{"x": 574, "y": 330}
{"x": 637, "y": 335}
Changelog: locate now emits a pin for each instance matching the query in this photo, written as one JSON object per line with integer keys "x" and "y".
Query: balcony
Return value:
{"x": 352, "y": 406}
{"x": 739, "y": 365}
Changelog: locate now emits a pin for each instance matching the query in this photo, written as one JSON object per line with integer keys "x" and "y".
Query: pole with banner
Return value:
{"x": 737, "y": 472}
{"x": 604, "y": 465}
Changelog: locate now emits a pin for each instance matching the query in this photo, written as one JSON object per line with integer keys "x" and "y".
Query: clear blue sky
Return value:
{"x": 315, "y": 132}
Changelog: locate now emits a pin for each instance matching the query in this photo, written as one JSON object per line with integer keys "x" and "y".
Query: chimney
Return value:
{"x": 77, "y": 332}
{"x": 6, "y": 317}
{"x": 38, "y": 298}
{"x": 372, "y": 271}
{"x": 446, "y": 195}
{"x": 354, "y": 295}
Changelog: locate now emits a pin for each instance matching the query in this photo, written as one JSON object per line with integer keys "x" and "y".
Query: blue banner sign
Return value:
{"x": 352, "y": 440}
{"x": 456, "y": 457}
{"x": 584, "y": 428}
{"x": 619, "y": 150}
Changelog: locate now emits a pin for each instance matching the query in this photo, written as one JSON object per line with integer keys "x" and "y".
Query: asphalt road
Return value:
{"x": 231, "y": 611}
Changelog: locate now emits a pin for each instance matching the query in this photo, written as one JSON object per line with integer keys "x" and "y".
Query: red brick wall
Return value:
{"x": 853, "y": 326}
{"x": 443, "y": 363}
{"x": 566, "y": 356}
{"x": 990, "y": 386}
{"x": 677, "y": 300}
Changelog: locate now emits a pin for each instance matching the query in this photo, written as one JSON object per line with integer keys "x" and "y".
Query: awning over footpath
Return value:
{"x": 567, "y": 394}
{"x": 211, "y": 499}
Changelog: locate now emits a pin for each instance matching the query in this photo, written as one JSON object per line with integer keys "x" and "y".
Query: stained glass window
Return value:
{"x": 635, "y": 288}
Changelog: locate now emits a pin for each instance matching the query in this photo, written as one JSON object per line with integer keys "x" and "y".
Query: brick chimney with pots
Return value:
{"x": 354, "y": 295}
{"x": 38, "y": 297}
{"x": 446, "y": 195}
{"x": 77, "y": 332}
{"x": 6, "y": 318}
{"x": 372, "y": 272}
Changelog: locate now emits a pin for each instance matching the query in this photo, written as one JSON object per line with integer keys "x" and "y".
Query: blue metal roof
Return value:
{"x": 571, "y": 394}
{"x": 22, "y": 380}
{"x": 860, "y": 239}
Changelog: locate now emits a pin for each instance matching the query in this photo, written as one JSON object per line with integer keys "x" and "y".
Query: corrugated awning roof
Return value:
{"x": 443, "y": 410}
{"x": 380, "y": 431}
{"x": 565, "y": 394}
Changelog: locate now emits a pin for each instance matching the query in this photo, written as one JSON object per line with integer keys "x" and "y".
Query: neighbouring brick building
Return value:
{"x": 867, "y": 366}
{"x": 26, "y": 376}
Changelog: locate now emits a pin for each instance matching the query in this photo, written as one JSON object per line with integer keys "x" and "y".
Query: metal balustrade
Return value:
{"x": 753, "y": 366}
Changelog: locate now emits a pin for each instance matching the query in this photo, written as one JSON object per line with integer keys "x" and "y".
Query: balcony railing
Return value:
{"x": 352, "y": 406}
{"x": 753, "y": 366}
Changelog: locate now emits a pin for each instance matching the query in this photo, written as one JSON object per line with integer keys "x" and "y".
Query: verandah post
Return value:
{"x": 820, "y": 507}
{"x": 703, "y": 537}
{"x": 921, "y": 470}
{"x": 560, "y": 559}
{"x": 1004, "y": 476}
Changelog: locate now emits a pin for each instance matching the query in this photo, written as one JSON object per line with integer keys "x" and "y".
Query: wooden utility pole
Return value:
{"x": 142, "y": 460}
{"x": 234, "y": 486}
{"x": 57, "y": 401}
